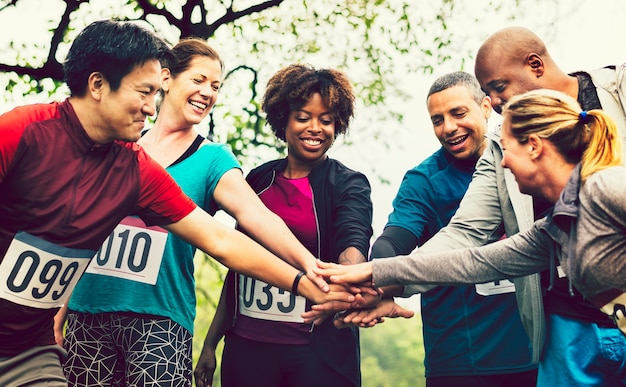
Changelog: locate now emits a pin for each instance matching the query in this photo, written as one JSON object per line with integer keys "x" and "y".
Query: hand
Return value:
{"x": 367, "y": 318}
{"x": 361, "y": 301}
{"x": 360, "y": 273}
{"x": 317, "y": 280}
{"x": 58, "y": 336}
{"x": 317, "y": 317}
{"x": 336, "y": 292}
{"x": 203, "y": 373}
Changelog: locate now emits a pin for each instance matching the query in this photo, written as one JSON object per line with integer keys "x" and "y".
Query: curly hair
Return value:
{"x": 590, "y": 138}
{"x": 293, "y": 86}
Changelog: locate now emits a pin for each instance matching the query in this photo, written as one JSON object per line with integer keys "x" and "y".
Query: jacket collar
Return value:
{"x": 568, "y": 203}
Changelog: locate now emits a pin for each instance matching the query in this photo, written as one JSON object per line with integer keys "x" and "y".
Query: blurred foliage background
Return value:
{"x": 392, "y": 50}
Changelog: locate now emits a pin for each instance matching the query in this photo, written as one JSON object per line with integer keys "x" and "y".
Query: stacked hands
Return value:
{"x": 361, "y": 305}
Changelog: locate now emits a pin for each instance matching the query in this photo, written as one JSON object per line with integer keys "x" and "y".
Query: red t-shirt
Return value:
{"x": 61, "y": 195}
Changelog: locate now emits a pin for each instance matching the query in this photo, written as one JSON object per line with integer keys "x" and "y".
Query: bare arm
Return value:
{"x": 235, "y": 196}
{"x": 59, "y": 324}
{"x": 240, "y": 253}
{"x": 222, "y": 320}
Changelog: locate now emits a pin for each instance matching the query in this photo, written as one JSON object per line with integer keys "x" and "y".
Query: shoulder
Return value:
{"x": 336, "y": 172}
{"x": 211, "y": 150}
{"x": 607, "y": 182}
{"x": 265, "y": 168}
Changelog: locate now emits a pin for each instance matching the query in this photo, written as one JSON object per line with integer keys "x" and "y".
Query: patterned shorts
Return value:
{"x": 111, "y": 349}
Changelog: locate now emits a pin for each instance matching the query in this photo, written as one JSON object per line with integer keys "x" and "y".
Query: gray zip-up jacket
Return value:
{"x": 585, "y": 233}
{"x": 493, "y": 207}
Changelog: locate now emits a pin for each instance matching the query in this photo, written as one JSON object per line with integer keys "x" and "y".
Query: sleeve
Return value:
{"x": 413, "y": 207}
{"x": 9, "y": 139}
{"x": 161, "y": 201}
{"x": 477, "y": 221}
{"x": 353, "y": 214}
{"x": 522, "y": 254}
{"x": 217, "y": 159}
{"x": 392, "y": 242}
{"x": 12, "y": 125}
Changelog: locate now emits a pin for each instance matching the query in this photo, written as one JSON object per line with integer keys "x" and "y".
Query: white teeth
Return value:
{"x": 198, "y": 105}
{"x": 312, "y": 142}
{"x": 457, "y": 141}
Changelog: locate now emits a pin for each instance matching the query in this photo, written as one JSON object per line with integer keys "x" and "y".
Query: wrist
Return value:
{"x": 296, "y": 282}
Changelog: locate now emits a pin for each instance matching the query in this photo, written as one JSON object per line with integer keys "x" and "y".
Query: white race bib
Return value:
{"x": 132, "y": 251}
{"x": 266, "y": 302}
{"x": 496, "y": 287}
{"x": 40, "y": 274}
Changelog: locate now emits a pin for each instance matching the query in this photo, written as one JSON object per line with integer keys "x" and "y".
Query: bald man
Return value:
{"x": 575, "y": 344}
{"x": 573, "y": 336}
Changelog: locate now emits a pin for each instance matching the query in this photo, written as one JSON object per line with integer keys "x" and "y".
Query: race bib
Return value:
{"x": 132, "y": 251}
{"x": 266, "y": 302}
{"x": 496, "y": 287}
{"x": 40, "y": 274}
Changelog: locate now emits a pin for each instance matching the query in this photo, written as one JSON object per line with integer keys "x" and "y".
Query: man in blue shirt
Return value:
{"x": 472, "y": 334}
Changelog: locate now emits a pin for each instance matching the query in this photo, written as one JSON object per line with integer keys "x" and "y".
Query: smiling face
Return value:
{"x": 192, "y": 93}
{"x": 122, "y": 113}
{"x": 310, "y": 132}
{"x": 459, "y": 122}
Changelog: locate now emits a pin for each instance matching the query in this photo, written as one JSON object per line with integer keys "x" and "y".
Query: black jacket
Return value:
{"x": 343, "y": 211}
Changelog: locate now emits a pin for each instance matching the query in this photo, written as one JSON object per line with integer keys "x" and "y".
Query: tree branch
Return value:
{"x": 150, "y": 9}
{"x": 231, "y": 15}
{"x": 9, "y": 4}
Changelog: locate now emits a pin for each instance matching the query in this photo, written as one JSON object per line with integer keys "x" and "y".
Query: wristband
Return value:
{"x": 296, "y": 281}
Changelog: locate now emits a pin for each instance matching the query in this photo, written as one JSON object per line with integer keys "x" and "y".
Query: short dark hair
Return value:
{"x": 293, "y": 86}
{"x": 458, "y": 78}
{"x": 112, "y": 48}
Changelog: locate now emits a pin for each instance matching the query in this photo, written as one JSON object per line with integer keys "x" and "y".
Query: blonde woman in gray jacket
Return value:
{"x": 571, "y": 159}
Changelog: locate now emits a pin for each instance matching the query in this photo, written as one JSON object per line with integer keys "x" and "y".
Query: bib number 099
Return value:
{"x": 40, "y": 274}
{"x": 52, "y": 270}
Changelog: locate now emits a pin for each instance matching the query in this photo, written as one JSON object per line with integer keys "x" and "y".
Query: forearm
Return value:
{"x": 222, "y": 320}
{"x": 240, "y": 253}
{"x": 517, "y": 256}
{"x": 271, "y": 231}
{"x": 351, "y": 256}
{"x": 392, "y": 242}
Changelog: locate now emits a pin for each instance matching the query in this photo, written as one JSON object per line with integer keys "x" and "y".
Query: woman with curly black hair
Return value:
{"x": 328, "y": 207}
